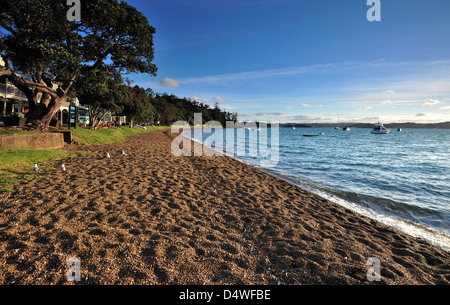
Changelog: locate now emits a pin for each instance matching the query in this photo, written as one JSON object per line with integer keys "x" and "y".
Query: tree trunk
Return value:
{"x": 131, "y": 122}
{"x": 42, "y": 113}
{"x": 96, "y": 114}
{"x": 39, "y": 114}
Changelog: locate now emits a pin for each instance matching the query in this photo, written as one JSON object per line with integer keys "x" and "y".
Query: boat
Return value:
{"x": 310, "y": 135}
{"x": 293, "y": 128}
{"x": 337, "y": 128}
{"x": 400, "y": 130}
{"x": 380, "y": 129}
{"x": 346, "y": 128}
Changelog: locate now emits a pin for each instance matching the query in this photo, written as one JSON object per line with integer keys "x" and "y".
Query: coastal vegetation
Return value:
{"x": 112, "y": 36}
{"x": 86, "y": 58}
{"x": 170, "y": 108}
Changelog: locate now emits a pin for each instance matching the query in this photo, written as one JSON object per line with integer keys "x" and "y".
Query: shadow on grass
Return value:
{"x": 11, "y": 178}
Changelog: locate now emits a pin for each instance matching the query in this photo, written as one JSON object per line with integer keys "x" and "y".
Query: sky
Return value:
{"x": 304, "y": 61}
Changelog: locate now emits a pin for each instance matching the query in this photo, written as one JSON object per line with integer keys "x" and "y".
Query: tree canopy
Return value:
{"x": 170, "y": 108}
{"x": 37, "y": 39}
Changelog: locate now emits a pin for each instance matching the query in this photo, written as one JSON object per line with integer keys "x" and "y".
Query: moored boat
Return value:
{"x": 380, "y": 129}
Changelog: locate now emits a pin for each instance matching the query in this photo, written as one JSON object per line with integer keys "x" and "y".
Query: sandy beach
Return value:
{"x": 152, "y": 218}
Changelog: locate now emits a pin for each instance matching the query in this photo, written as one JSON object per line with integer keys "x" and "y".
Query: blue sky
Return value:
{"x": 304, "y": 60}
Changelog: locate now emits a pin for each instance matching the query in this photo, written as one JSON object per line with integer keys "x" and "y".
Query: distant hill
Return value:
{"x": 443, "y": 125}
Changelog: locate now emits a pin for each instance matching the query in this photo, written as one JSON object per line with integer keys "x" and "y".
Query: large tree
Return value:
{"x": 101, "y": 91}
{"x": 38, "y": 40}
{"x": 136, "y": 104}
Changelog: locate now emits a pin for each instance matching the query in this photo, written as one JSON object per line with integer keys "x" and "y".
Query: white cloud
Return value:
{"x": 219, "y": 99}
{"x": 444, "y": 108}
{"x": 169, "y": 83}
{"x": 303, "y": 105}
{"x": 421, "y": 115}
{"x": 270, "y": 114}
{"x": 430, "y": 102}
{"x": 240, "y": 76}
{"x": 390, "y": 91}
{"x": 199, "y": 100}
{"x": 318, "y": 68}
{"x": 386, "y": 102}
{"x": 365, "y": 108}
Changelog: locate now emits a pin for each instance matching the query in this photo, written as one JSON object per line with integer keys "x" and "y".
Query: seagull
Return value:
{"x": 108, "y": 155}
{"x": 36, "y": 168}
{"x": 63, "y": 168}
{"x": 124, "y": 154}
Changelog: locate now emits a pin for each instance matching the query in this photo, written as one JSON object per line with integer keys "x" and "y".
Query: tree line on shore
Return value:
{"x": 63, "y": 58}
{"x": 104, "y": 94}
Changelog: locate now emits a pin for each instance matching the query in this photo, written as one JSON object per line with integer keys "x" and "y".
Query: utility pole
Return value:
{"x": 6, "y": 94}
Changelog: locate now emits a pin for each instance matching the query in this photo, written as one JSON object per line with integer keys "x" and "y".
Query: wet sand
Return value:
{"x": 152, "y": 218}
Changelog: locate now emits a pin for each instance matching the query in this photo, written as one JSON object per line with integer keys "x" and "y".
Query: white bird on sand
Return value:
{"x": 124, "y": 154}
{"x": 108, "y": 155}
{"x": 63, "y": 168}
{"x": 36, "y": 168}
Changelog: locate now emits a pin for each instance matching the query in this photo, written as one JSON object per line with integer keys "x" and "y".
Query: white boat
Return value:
{"x": 346, "y": 128}
{"x": 380, "y": 129}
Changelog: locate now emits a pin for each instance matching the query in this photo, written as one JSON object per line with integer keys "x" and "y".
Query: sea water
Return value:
{"x": 401, "y": 179}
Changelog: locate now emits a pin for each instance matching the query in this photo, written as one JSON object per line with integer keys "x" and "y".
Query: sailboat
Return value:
{"x": 337, "y": 127}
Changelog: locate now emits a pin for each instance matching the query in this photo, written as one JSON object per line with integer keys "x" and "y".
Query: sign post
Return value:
{"x": 73, "y": 116}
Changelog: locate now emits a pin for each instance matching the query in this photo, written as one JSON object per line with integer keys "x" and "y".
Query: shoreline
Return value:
{"x": 153, "y": 218}
{"x": 417, "y": 230}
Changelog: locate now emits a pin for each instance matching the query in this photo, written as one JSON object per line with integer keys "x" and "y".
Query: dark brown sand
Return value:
{"x": 153, "y": 218}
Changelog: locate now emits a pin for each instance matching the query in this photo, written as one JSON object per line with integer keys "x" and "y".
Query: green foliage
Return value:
{"x": 136, "y": 104}
{"x": 100, "y": 90}
{"x": 170, "y": 108}
{"x": 37, "y": 38}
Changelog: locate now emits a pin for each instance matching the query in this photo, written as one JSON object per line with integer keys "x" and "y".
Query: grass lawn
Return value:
{"x": 4, "y": 131}
{"x": 16, "y": 165}
{"x": 83, "y": 136}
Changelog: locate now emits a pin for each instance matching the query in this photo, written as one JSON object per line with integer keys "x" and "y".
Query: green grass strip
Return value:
{"x": 16, "y": 165}
{"x": 83, "y": 136}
